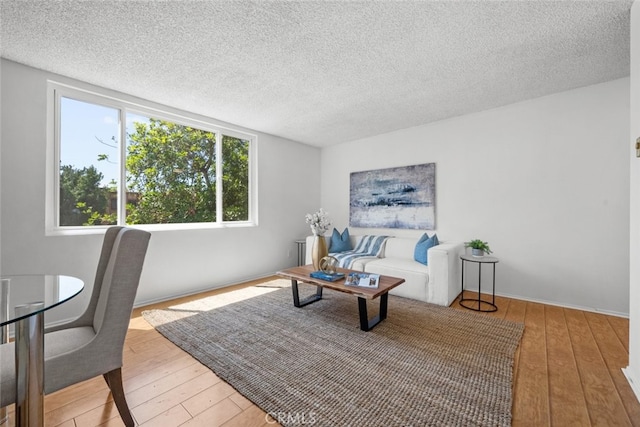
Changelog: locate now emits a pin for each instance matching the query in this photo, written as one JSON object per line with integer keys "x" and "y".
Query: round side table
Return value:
{"x": 479, "y": 302}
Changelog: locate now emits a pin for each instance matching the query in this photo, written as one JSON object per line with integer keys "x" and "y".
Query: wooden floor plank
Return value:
{"x": 173, "y": 416}
{"x": 165, "y": 384}
{"x": 78, "y": 407}
{"x": 254, "y": 417}
{"x": 75, "y": 392}
{"x": 113, "y": 422}
{"x": 615, "y": 357}
{"x": 159, "y": 342}
{"x": 144, "y": 367}
{"x": 241, "y": 401}
{"x": 621, "y": 328}
{"x": 567, "y": 407}
{"x": 209, "y": 397}
{"x": 218, "y": 414}
{"x": 531, "y": 406}
{"x": 515, "y": 312}
{"x": 97, "y": 416}
{"x": 603, "y": 402}
{"x": 550, "y": 379}
{"x": 177, "y": 395}
{"x": 156, "y": 372}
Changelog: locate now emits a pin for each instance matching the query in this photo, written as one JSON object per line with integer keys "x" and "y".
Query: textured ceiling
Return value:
{"x": 324, "y": 72}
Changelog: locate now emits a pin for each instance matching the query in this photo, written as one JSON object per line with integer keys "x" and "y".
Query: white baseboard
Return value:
{"x": 575, "y": 307}
{"x": 557, "y": 304}
{"x": 634, "y": 381}
{"x": 143, "y": 303}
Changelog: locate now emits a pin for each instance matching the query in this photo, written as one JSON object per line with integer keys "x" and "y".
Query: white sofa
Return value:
{"x": 437, "y": 283}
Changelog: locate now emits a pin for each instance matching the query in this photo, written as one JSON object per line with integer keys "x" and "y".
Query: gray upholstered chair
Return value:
{"x": 92, "y": 344}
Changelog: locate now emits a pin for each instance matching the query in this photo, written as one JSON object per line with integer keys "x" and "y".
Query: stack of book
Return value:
{"x": 330, "y": 277}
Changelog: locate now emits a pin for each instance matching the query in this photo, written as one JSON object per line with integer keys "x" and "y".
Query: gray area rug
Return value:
{"x": 424, "y": 365}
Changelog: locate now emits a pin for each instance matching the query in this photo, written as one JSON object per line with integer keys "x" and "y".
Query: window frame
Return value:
{"x": 126, "y": 104}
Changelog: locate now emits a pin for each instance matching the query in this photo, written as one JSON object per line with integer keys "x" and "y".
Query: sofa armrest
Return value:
{"x": 444, "y": 272}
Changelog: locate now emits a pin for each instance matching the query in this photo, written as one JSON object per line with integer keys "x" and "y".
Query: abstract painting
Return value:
{"x": 401, "y": 197}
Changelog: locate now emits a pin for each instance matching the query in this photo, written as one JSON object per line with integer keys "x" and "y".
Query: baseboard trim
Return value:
{"x": 572, "y": 306}
{"x": 557, "y": 304}
{"x": 634, "y": 381}
{"x": 139, "y": 304}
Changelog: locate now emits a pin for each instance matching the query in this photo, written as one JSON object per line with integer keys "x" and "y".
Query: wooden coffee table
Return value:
{"x": 302, "y": 274}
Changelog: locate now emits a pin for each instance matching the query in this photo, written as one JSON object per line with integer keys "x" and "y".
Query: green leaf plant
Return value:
{"x": 478, "y": 244}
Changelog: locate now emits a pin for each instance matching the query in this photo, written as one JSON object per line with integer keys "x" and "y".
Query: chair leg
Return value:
{"x": 106, "y": 379}
{"x": 114, "y": 381}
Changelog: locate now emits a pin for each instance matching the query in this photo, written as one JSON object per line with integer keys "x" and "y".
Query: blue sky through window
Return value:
{"x": 88, "y": 131}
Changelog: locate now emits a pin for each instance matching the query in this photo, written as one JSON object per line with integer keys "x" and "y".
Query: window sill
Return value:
{"x": 88, "y": 230}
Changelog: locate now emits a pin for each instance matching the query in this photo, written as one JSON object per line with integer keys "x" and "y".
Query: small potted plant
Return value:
{"x": 478, "y": 247}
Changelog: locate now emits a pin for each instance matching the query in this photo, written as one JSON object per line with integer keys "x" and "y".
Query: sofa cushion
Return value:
{"x": 403, "y": 265}
{"x": 400, "y": 247}
{"x": 416, "y": 276}
{"x": 424, "y": 244}
{"x": 340, "y": 242}
{"x": 360, "y": 263}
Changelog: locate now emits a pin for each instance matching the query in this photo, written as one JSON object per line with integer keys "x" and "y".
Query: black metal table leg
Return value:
{"x": 479, "y": 286}
{"x": 365, "y": 323}
{"x": 384, "y": 298}
{"x": 462, "y": 282}
{"x": 493, "y": 298}
{"x": 308, "y": 300}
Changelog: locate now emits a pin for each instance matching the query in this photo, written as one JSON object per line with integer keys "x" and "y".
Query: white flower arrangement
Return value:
{"x": 319, "y": 222}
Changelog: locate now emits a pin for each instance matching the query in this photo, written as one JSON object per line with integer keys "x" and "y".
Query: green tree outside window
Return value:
{"x": 170, "y": 176}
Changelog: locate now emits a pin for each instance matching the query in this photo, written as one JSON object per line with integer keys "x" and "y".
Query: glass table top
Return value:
{"x": 50, "y": 290}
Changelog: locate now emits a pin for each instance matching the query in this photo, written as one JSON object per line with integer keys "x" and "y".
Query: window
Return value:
{"x": 170, "y": 169}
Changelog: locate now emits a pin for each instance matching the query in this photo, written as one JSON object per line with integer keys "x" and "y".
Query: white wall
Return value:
{"x": 545, "y": 182}
{"x": 633, "y": 371}
{"x": 0, "y": 166}
{"x": 178, "y": 262}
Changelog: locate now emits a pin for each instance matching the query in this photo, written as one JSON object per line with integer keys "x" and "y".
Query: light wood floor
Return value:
{"x": 567, "y": 372}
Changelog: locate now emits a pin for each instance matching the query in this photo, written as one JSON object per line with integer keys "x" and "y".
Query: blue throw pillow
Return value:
{"x": 340, "y": 242}
{"x": 423, "y": 245}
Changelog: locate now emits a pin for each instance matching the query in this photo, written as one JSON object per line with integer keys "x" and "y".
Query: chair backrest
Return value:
{"x": 120, "y": 281}
{"x": 96, "y": 348}
{"x": 86, "y": 318}
{"x": 105, "y": 254}
{"x": 93, "y": 348}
